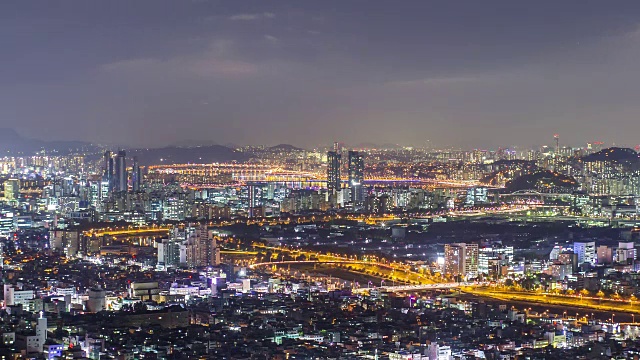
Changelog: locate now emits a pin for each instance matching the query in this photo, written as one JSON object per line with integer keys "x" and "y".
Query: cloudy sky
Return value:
{"x": 459, "y": 73}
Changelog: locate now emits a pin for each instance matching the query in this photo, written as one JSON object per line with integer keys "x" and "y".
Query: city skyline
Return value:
{"x": 406, "y": 180}
{"x": 409, "y": 243}
{"x": 465, "y": 75}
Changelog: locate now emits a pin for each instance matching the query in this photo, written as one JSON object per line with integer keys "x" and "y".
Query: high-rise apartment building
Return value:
{"x": 333, "y": 172}
{"x": 169, "y": 253}
{"x": 586, "y": 252}
{"x": 136, "y": 175}
{"x": 461, "y": 259}
{"x": 202, "y": 248}
{"x": 356, "y": 178}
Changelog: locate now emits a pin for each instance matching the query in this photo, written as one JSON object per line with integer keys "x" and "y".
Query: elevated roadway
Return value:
{"x": 409, "y": 288}
{"x": 394, "y": 272}
{"x": 346, "y": 262}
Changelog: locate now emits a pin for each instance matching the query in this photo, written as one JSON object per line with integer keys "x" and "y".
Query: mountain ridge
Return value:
{"x": 12, "y": 142}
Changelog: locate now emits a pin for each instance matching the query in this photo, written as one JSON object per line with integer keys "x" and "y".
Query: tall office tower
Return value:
{"x": 136, "y": 175}
{"x": 333, "y": 172}
{"x": 586, "y": 252}
{"x": 108, "y": 165}
{"x": 461, "y": 259}
{"x": 111, "y": 174}
{"x": 252, "y": 199}
{"x": 121, "y": 178}
{"x": 202, "y": 248}
{"x": 356, "y": 178}
{"x": 107, "y": 175}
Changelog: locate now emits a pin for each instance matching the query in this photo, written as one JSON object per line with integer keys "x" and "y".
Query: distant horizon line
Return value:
{"x": 236, "y": 147}
{"x": 329, "y": 144}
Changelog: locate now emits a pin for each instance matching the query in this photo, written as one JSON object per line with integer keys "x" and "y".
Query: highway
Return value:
{"x": 387, "y": 270}
{"x": 589, "y": 302}
{"x": 128, "y": 231}
{"x": 398, "y": 288}
{"x": 347, "y": 262}
{"x": 425, "y": 287}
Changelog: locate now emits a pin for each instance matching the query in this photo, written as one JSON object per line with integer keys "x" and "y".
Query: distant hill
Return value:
{"x": 285, "y": 147}
{"x": 15, "y": 144}
{"x": 192, "y": 143}
{"x": 614, "y": 154}
{"x": 503, "y": 171}
{"x": 182, "y": 155}
{"x": 544, "y": 181}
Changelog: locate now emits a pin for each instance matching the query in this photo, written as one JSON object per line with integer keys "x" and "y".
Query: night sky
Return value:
{"x": 455, "y": 73}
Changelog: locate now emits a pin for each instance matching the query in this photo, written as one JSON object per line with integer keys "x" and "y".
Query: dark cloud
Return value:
{"x": 467, "y": 73}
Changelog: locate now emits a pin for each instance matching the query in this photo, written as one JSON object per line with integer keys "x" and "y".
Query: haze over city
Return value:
{"x": 463, "y": 74}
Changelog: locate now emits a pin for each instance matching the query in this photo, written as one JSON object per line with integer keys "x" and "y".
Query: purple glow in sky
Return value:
{"x": 460, "y": 73}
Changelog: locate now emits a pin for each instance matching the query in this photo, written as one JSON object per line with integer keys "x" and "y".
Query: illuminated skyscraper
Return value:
{"x": 356, "y": 178}
{"x": 333, "y": 172}
{"x": 202, "y": 248}
{"x": 121, "y": 178}
{"x": 461, "y": 259}
{"x": 251, "y": 195}
{"x": 108, "y": 164}
{"x": 136, "y": 175}
{"x": 108, "y": 169}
